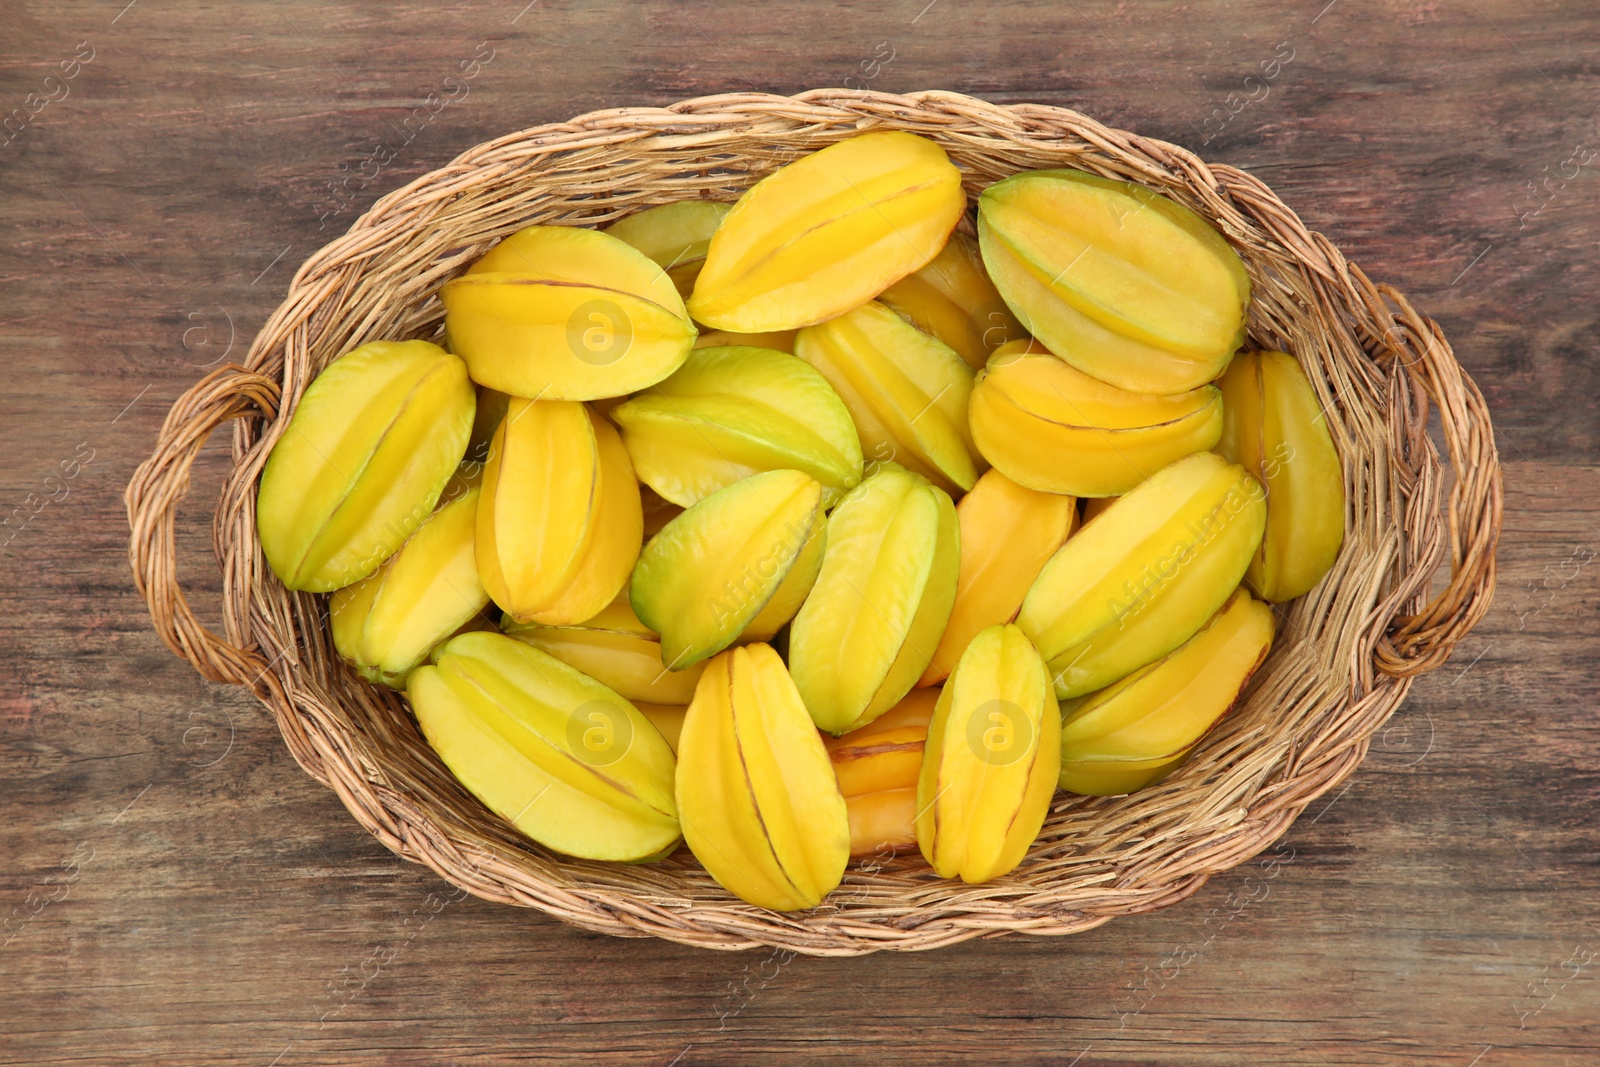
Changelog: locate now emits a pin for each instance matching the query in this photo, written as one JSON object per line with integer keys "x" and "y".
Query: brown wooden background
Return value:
{"x": 176, "y": 890}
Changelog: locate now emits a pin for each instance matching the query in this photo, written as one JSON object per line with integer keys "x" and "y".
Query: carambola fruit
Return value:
{"x": 1051, "y": 427}
{"x": 387, "y": 623}
{"x": 1274, "y": 427}
{"x": 1141, "y": 578}
{"x": 1135, "y": 732}
{"x": 1121, "y": 282}
{"x": 615, "y": 649}
{"x": 992, "y": 759}
{"x": 564, "y": 759}
{"x": 877, "y": 768}
{"x": 1008, "y": 534}
{"x": 953, "y": 299}
{"x": 760, "y": 807}
{"x": 668, "y": 718}
{"x": 366, "y": 454}
{"x": 559, "y": 522}
{"x": 780, "y": 340}
{"x": 563, "y": 313}
{"x": 675, "y": 236}
{"x": 728, "y": 413}
{"x": 827, "y": 232}
{"x": 906, "y": 391}
{"x": 735, "y": 565}
{"x": 868, "y": 630}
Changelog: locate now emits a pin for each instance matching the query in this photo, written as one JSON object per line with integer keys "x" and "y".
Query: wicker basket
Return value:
{"x": 1345, "y": 656}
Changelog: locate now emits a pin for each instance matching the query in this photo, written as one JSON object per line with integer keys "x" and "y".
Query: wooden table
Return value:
{"x": 180, "y": 892}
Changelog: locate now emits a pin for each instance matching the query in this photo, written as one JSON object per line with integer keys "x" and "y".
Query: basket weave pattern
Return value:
{"x": 1345, "y": 654}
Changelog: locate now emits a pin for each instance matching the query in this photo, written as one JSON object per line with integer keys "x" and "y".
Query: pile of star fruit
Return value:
{"x": 813, "y": 525}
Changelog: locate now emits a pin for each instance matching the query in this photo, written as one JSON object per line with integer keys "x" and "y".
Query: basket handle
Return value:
{"x": 152, "y": 497}
{"x": 1414, "y": 644}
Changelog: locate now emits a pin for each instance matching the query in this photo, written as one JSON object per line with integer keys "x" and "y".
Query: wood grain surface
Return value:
{"x": 175, "y": 890}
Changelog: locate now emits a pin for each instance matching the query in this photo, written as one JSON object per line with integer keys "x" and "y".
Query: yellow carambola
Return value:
{"x": 728, "y": 413}
{"x": 1008, "y": 534}
{"x": 1135, "y": 732}
{"x": 668, "y": 718}
{"x": 562, "y": 313}
{"x": 827, "y": 232}
{"x": 1121, "y": 282}
{"x": 1053, "y": 428}
{"x": 992, "y": 759}
{"x": 367, "y": 452}
{"x": 675, "y": 236}
{"x": 888, "y": 581}
{"x": 734, "y": 566}
{"x": 756, "y": 794}
{"x": 887, "y": 752}
{"x": 906, "y": 391}
{"x": 1147, "y": 573}
{"x": 953, "y": 299}
{"x": 615, "y": 649}
{"x": 877, "y": 768}
{"x": 559, "y": 522}
{"x": 387, "y": 623}
{"x": 561, "y": 757}
{"x": 1274, "y": 427}
{"x": 779, "y": 340}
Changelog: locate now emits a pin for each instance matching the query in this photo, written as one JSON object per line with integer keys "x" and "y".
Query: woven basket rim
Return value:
{"x": 1398, "y": 361}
